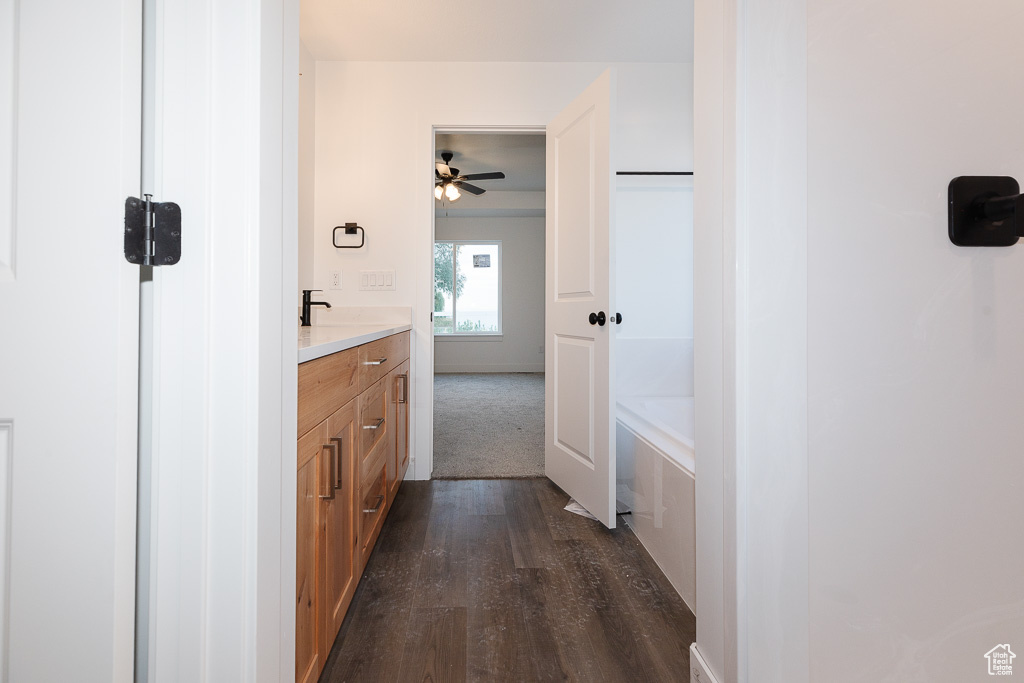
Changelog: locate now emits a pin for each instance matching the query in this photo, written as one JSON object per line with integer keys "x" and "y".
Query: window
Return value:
{"x": 467, "y": 288}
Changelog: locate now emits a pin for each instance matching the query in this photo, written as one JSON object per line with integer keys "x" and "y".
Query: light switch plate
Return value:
{"x": 377, "y": 280}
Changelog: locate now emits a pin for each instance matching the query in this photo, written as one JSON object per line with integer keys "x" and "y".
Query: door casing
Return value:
{"x": 224, "y": 369}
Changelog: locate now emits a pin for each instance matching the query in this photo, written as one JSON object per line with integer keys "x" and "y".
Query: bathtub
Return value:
{"x": 665, "y": 421}
{"x": 655, "y": 469}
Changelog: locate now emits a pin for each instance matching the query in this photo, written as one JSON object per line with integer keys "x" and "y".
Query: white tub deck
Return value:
{"x": 665, "y": 421}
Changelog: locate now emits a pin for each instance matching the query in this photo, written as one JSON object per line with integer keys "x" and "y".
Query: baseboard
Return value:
{"x": 700, "y": 672}
{"x": 509, "y": 367}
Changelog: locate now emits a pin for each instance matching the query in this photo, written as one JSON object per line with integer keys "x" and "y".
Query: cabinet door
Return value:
{"x": 394, "y": 386}
{"x": 398, "y": 462}
{"x": 309, "y": 659}
{"x": 338, "y": 530}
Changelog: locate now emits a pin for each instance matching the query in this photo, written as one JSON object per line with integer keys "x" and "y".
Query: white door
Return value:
{"x": 69, "y": 155}
{"x": 917, "y": 422}
{"x": 579, "y": 419}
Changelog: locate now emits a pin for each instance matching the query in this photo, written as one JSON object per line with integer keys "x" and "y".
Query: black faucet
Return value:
{"x": 306, "y": 304}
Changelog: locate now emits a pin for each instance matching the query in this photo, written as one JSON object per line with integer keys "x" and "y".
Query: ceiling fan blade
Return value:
{"x": 497, "y": 175}
{"x": 472, "y": 189}
{"x": 442, "y": 169}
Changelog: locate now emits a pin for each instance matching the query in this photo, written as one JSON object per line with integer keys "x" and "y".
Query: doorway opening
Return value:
{"x": 488, "y": 304}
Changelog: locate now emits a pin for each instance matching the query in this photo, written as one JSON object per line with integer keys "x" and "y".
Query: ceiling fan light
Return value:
{"x": 438, "y": 191}
{"x": 452, "y": 192}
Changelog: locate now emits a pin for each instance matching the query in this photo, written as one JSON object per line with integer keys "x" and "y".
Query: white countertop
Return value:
{"x": 323, "y": 340}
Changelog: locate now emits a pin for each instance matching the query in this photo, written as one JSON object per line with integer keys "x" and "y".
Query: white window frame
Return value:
{"x": 476, "y": 336}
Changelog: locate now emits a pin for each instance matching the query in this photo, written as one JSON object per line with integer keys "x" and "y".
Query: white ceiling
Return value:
{"x": 499, "y": 30}
{"x": 519, "y": 156}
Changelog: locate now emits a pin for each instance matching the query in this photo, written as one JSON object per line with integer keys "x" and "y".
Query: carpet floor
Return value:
{"x": 488, "y": 425}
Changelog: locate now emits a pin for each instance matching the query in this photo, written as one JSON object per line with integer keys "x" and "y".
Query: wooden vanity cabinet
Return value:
{"x": 352, "y": 443}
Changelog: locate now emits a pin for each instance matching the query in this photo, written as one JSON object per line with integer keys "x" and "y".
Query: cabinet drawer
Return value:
{"x": 373, "y": 426}
{"x": 378, "y": 358}
{"x": 372, "y": 507}
{"x": 325, "y": 385}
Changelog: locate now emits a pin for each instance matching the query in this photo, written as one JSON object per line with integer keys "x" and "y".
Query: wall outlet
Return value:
{"x": 335, "y": 279}
{"x": 377, "y": 280}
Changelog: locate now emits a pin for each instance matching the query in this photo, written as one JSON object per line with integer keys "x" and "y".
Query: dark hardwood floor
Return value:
{"x": 491, "y": 580}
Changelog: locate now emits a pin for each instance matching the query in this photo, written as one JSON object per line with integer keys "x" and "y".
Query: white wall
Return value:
{"x": 307, "y": 166}
{"x": 374, "y": 139}
{"x": 522, "y": 297}
{"x": 654, "y": 257}
{"x": 654, "y": 286}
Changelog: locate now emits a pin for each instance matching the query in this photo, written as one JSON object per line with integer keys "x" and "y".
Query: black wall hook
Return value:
{"x": 350, "y": 229}
{"x": 985, "y": 211}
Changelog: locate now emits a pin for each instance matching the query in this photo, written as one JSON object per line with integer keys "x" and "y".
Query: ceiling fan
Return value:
{"x": 449, "y": 184}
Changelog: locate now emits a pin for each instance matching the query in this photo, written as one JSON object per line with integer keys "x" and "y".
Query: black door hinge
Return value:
{"x": 152, "y": 232}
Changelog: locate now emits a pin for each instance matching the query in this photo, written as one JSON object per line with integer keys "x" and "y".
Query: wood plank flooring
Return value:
{"x": 490, "y": 580}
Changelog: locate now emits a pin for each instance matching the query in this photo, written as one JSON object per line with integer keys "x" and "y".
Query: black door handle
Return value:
{"x": 618, "y": 318}
{"x": 597, "y": 318}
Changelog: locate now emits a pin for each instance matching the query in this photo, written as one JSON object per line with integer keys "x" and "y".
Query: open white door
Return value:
{"x": 579, "y": 418}
{"x": 70, "y": 78}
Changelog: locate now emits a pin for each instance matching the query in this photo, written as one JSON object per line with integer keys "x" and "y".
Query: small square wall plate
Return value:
{"x": 967, "y": 226}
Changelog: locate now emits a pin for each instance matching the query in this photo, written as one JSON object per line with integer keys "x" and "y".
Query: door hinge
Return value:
{"x": 152, "y": 232}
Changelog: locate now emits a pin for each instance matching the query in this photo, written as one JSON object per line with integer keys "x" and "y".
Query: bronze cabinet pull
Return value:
{"x": 332, "y": 476}
{"x": 338, "y": 456}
